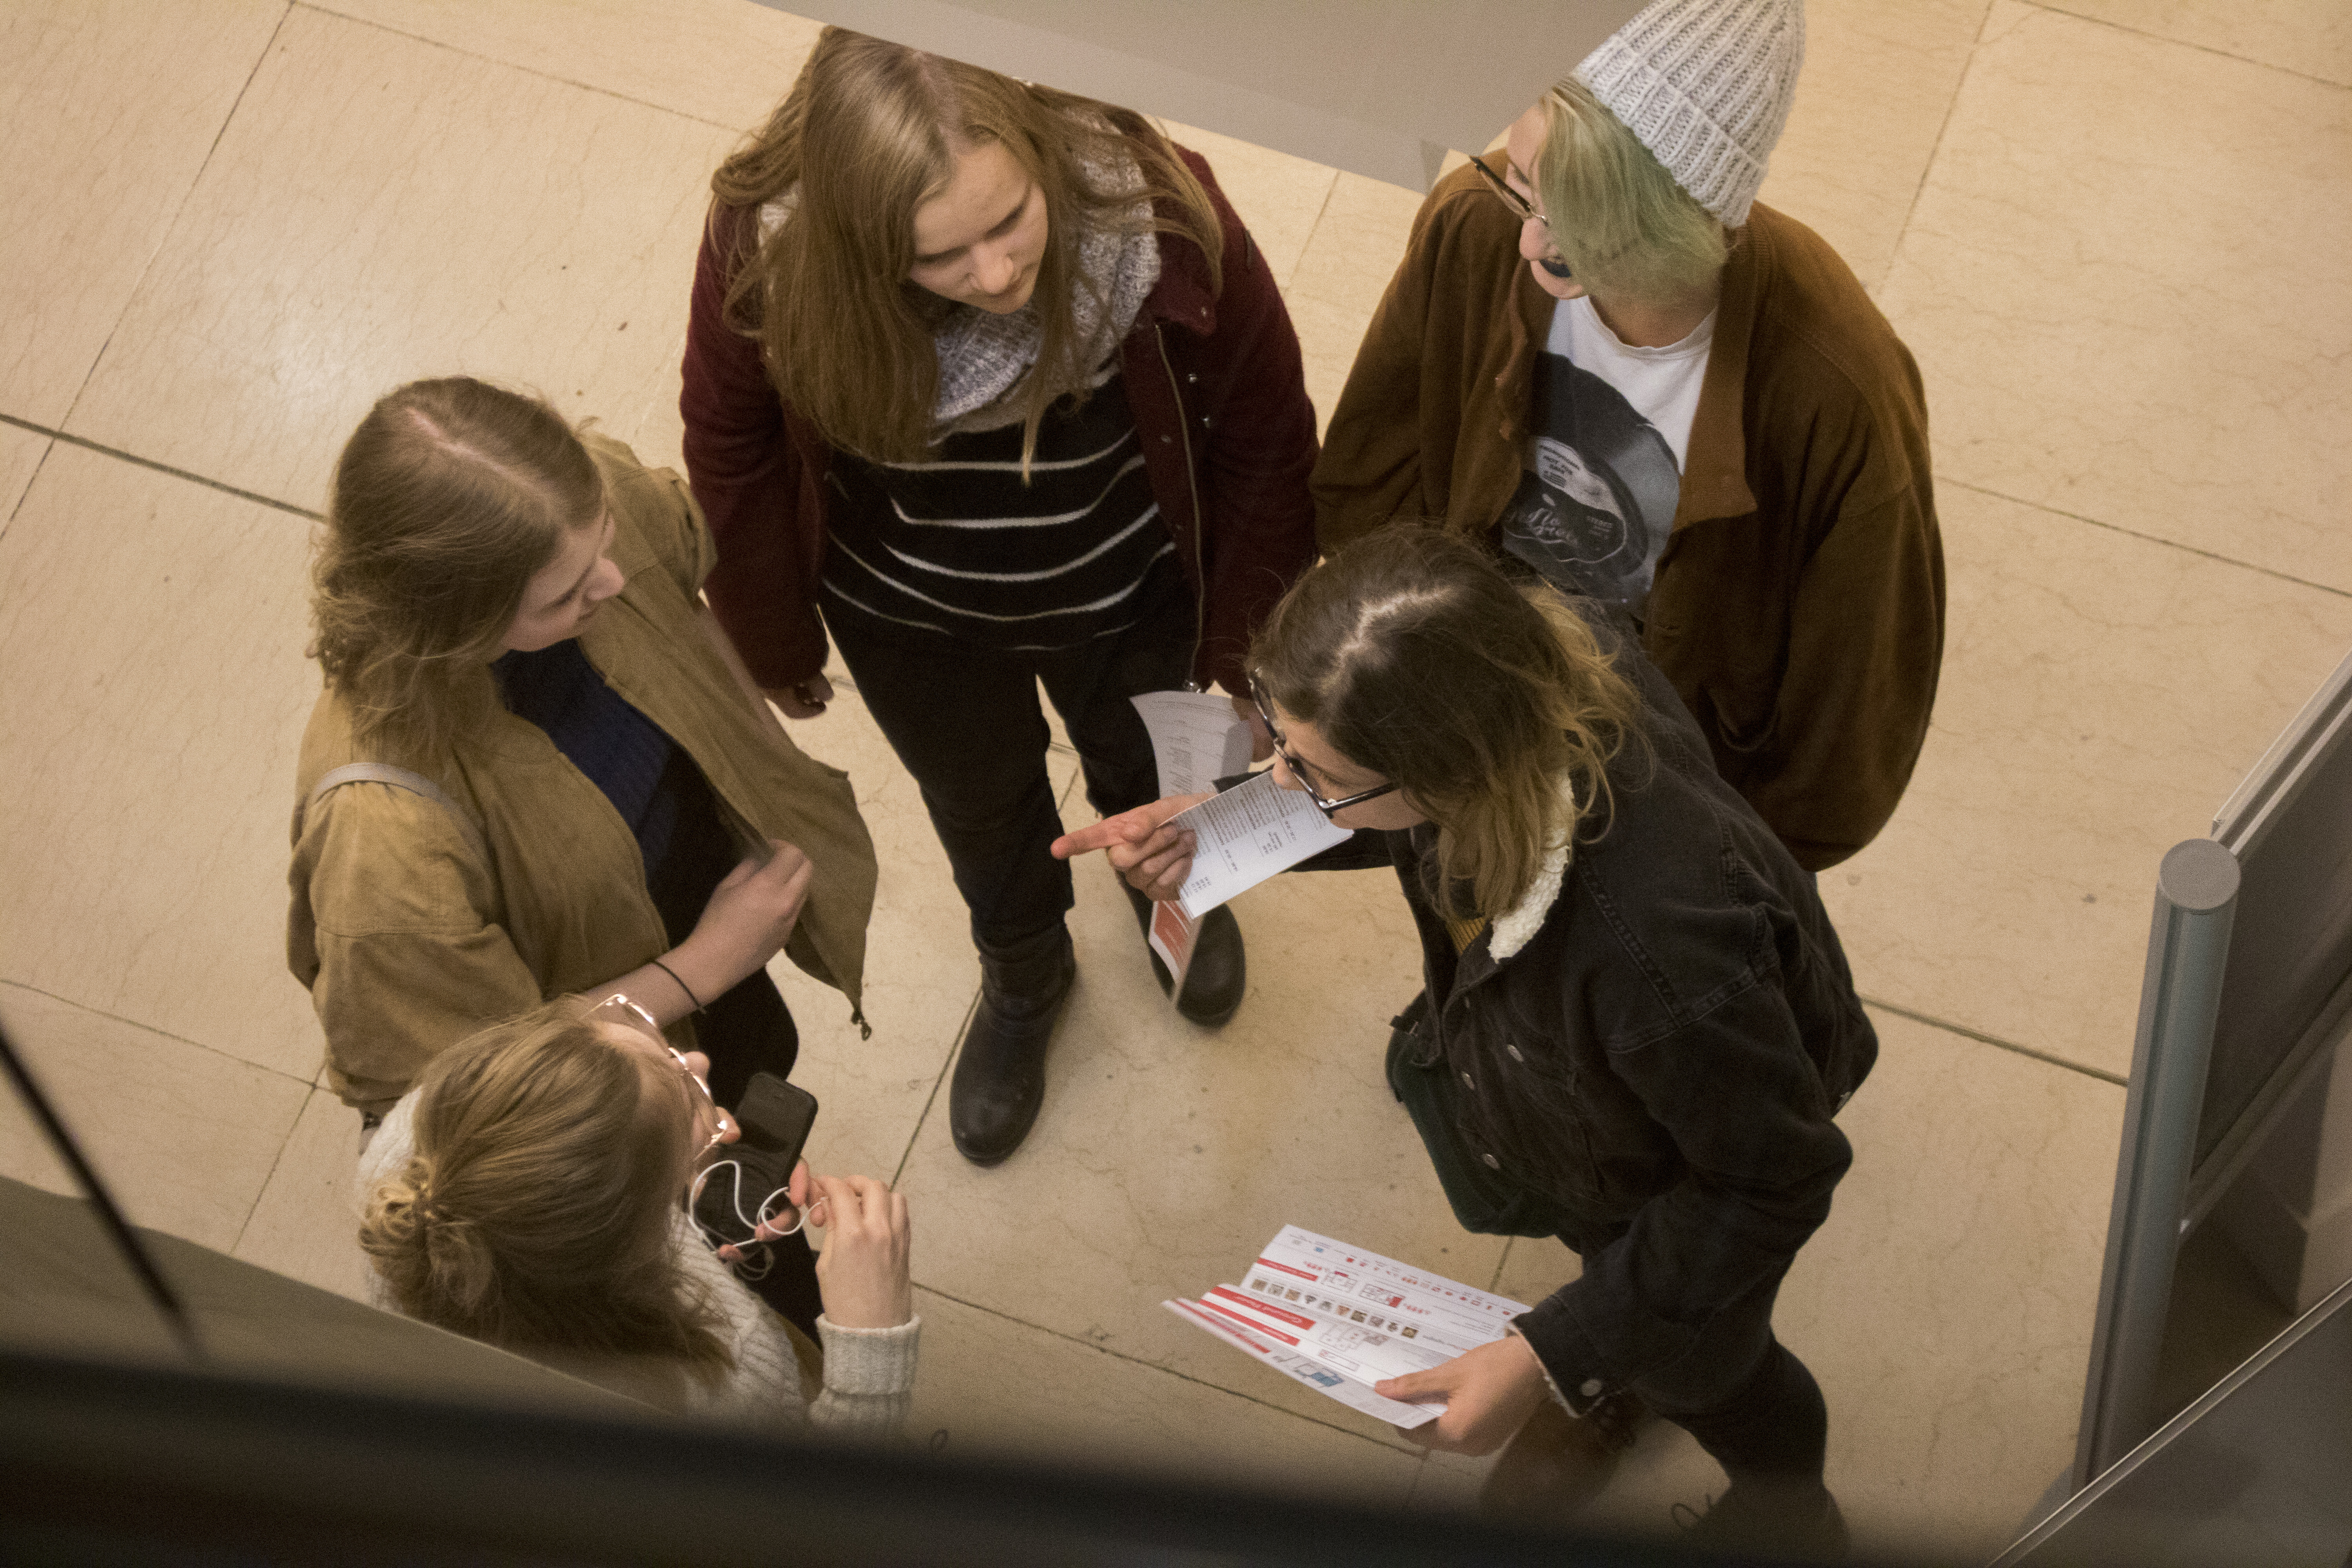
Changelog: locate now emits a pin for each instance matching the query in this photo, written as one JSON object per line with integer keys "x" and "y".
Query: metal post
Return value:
{"x": 2180, "y": 997}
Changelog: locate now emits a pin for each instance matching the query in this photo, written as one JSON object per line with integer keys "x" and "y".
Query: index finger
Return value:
{"x": 1127, "y": 828}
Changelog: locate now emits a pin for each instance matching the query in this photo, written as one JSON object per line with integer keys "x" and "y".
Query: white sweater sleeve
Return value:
{"x": 869, "y": 1378}
{"x": 870, "y": 1374}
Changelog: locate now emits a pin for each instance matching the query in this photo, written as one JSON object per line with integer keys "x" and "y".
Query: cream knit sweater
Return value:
{"x": 870, "y": 1374}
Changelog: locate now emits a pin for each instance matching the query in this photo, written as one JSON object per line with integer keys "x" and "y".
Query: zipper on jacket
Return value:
{"x": 1199, "y": 524}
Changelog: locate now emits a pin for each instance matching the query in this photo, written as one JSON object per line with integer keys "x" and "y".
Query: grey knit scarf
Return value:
{"x": 985, "y": 360}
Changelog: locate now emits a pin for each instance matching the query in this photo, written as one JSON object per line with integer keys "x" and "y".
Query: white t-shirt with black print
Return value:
{"x": 1603, "y": 469}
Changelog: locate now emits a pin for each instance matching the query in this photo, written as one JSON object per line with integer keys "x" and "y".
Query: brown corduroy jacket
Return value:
{"x": 1799, "y": 607}
{"x": 409, "y": 940}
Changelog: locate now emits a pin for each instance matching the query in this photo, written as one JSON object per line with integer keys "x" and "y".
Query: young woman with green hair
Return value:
{"x": 1604, "y": 360}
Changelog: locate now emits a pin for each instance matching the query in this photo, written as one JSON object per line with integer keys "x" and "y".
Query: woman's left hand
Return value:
{"x": 1489, "y": 1392}
{"x": 862, "y": 1274}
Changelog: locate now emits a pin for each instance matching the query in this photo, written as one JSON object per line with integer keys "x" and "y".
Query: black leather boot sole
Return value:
{"x": 1220, "y": 971}
{"x": 1000, "y": 1074}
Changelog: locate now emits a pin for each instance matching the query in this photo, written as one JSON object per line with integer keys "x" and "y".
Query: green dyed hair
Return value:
{"x": 1620, "y": 221}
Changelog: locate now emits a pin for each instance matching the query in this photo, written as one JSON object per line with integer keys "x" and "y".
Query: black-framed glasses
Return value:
{"x": 1282, "y": 749}
{"x": 1521, "y": 208}
{"x": 1525, "y": 211}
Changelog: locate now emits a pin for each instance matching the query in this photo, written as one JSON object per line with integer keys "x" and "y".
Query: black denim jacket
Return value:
{"x": 1660, "y": 1060}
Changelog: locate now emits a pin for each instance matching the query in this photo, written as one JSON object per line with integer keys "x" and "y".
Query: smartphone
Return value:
{"x": 775, "y": 1118}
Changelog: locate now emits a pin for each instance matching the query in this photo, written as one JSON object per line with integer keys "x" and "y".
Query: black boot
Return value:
{"x": 1220, "y": 971}
{"x": 1000, "y": 1076}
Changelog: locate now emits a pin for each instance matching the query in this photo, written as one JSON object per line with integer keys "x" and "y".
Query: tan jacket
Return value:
{"x": 409, "y": 943}
{"x": 1799, "y": 607}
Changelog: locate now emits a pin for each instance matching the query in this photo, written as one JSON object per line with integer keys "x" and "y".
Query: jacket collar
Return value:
{"x": 1517, "y": 926}
{"x": 1182, "y": 295}
{"x": 1714, "y": 465}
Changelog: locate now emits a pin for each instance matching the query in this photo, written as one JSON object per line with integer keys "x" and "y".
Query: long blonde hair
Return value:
{"x": 871, "y": 130}
{"x": 535, "y": 1213}
{"x": 1618, "y": 218}
{"x": 1494, "y": 709}
{"x": 446, "y": 500}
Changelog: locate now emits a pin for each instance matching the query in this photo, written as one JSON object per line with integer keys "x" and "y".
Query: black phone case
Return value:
{"x": 775, "y": 1117}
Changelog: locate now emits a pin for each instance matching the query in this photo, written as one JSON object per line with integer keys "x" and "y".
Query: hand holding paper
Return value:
{"x": 1153, "y": 856}
{"x": 1378, "y": 1335}
{"x": 1488, "y": 1393}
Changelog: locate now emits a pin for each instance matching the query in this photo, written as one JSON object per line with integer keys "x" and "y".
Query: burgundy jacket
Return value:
{"x": 1219, "y": 403}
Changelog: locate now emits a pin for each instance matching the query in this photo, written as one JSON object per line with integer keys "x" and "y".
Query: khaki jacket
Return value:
{"x": 409, "y": 941}
{"x": 1799, "y": 607}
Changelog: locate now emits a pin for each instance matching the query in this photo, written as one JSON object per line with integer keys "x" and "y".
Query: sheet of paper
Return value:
{"x": 1249, "y": 833}
{"x": 1323, "y": 1380}
{"x": 1196, "y": 739}
{"x": 1340, "y": 1318}
{"x": 1172, "y": 934}
{"x": 1301, "y": 1269}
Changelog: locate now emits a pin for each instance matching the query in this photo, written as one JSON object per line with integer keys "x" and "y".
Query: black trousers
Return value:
{"x": 1750, "y": 1404}
{"x": 743, "y": 1030}
{"x": 966, "y": 722}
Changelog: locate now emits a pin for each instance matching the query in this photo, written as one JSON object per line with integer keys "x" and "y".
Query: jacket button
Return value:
{"x": 1514, "y": 1051}
{"x": 1492, "y": 1164}
{"x": 1591, "y": 1389}
{"x": 1191, "y": 377}
{"x": 1167, "y": 440}
{"x": 1467, "y": 1082}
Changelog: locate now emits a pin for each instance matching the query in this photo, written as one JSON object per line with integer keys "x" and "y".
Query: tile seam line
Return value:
{"x": 2118, "y": 1079}
{"x": 308, "y": 1083}
{"x": 1321, "y": 213}
{"x": 30, "y": 480}
{"x": 2151, "y": 537}
{"x": 87, "y": 444}
{"x": 1935, "y": 151}
{"x": 275, "y": 1160}
{"x": 1169, "y": 1370}
{"x": 163, "y": 231}
{"x": 324, "y": 10}
{"x": 2184, "y": 43}
{"x": 899, "y": 1173}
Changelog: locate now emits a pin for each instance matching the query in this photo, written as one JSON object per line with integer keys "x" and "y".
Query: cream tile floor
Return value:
{"x": 2114, "y": 234}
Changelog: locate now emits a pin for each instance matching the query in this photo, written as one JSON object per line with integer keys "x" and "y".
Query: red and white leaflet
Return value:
{"x": 1172, "y": 934}
{"x": 1334, "y": 1281}
{"x": 1301, "y": 1369}
{"x": 1342, "y": 1319}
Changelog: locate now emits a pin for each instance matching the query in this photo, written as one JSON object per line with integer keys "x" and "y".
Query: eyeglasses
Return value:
{"x": 1297, "y": 769}
{"x": 1525, "y": 211}
{"x": 1521, "y": 208}
{"x": 618, "y": 1009}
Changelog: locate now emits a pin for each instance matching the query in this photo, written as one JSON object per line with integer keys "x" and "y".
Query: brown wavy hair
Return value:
{"x": 870, "y": 131}
{"x": 535, "y": 1213}
{"x": 1494, "y": 707}
{"x": 446, "y": 500}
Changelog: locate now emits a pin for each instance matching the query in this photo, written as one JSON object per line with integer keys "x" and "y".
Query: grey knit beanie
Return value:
{"x": 1705, "y": 85}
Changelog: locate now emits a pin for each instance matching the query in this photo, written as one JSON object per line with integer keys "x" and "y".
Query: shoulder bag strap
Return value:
{"x": 398, "y": 778}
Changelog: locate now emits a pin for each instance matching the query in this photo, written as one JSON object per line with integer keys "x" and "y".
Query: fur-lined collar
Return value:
{"x": 1517, "y": 926}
